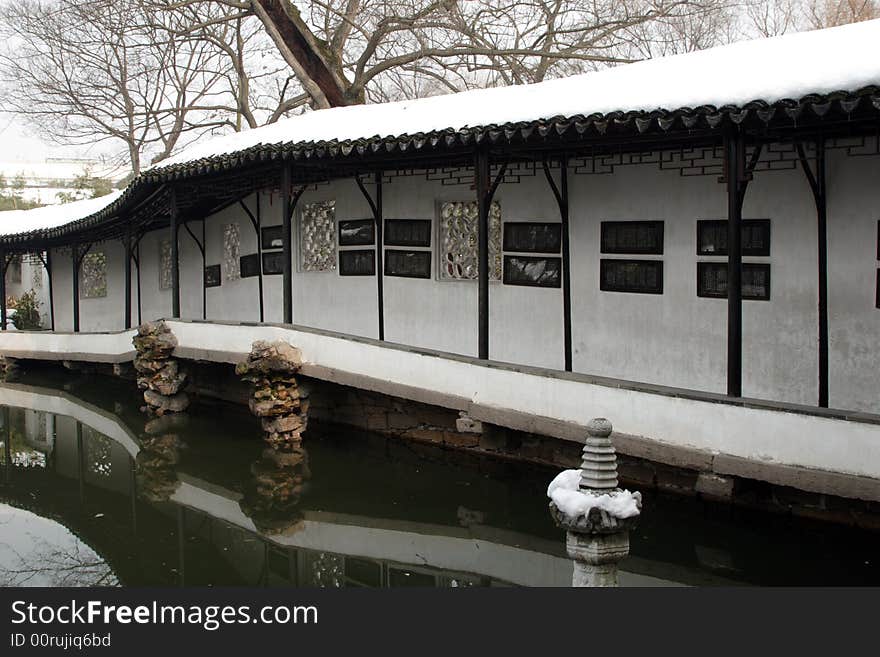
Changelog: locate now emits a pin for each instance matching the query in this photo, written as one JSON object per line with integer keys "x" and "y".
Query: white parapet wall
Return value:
{"x": 737, "y": 434}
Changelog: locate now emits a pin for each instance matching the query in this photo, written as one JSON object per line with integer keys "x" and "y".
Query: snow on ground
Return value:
{"x": 13, "y": 222}
{"x": 789, "y": 66}
{"x": 568, "y": 498}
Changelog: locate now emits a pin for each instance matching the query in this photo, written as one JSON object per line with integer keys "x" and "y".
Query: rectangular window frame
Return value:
{"x": 212, "y": 276}
{"x": 344, "y": 224}
{"x": 607, "y": 262}
{"x": 508, "y": 280}
{"x": 657, "y": 225}
{"x": 390, "y": 254}
{"x": 509, "y": 229}
{"x": 747, "y": 225}
{"x": 388, "y": 240}
{"x": 746, "y": 267}
{"x": 249, "y": 265}
{"x": 269, "y": 235}
{"x": 344, "y": 262}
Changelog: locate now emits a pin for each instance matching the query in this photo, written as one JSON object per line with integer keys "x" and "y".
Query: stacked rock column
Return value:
{"x": 158, "y": 374}
{"x": 277, "y": 399}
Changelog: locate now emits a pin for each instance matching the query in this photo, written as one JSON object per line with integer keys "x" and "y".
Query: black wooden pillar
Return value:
{"x": 256, "y": 222}
{"x": 380, "y": 265}
{"x": 481, "y": 175}
{"x": 4, "y": 264}
{"x": 75, "y": 260}
{"x": 561, "y": 194}
{"x": 286, "y": 218}
{"x": 47, "y": 264}
{"x": 201, "y": 246}
{"x": 734, "y": 161}
{"x": 175, "y": 255}
{"x": 817, "y": 186}
{"x": 375, "y": 203}
{"x": 126, "y": 316}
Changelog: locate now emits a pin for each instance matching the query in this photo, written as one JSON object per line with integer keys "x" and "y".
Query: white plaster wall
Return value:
{"x": 854, "y": 320}
{"x": 106, "y": 313}
{"x": 428, "y": 312}
{"x": 236, "y": 299}
{"x": 675, "y": 339}
{"x": 62, "y": 290}
{"x": 325, "y": 299}
{"x": 155, "y": 303}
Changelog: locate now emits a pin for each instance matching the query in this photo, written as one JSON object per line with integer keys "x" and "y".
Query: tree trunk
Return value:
{"x": 310, "y": 58}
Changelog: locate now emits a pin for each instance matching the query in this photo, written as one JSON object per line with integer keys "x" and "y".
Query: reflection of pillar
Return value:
{"x": 7, "y": 440}
{"x": 80, "y": 462}
{"x": 132, "y": 493}
{"x": 596, "y": 514}
{"x": 181, "y": 545}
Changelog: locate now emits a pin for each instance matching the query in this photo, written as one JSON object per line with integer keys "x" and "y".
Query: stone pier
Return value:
{"x": 158, "y": 374}
{"x": 282, "y": 406}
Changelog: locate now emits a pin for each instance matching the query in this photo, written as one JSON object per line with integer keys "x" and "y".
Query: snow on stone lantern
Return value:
{"x": 595, "y": 513}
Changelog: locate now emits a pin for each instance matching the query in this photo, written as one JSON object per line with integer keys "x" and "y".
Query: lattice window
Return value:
{"x": 93, "y": 275}
{"x": 231, "y": 251}
{"x": 165, "y": 265}
{"x": 318, "y": 236}
{"x": 458, "y": 240}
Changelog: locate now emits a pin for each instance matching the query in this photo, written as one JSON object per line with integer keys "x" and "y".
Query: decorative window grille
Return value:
{"x": 318, "y": 236}
{"x": 165, "y": 265}
{"x": 458, "y": 240}
{"x": 93, "y": 275}
{"x": 231, "y": 249}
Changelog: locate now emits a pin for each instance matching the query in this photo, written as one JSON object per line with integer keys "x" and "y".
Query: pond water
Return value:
{"x": 90, "y": 494}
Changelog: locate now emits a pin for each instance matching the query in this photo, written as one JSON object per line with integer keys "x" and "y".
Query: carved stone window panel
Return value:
{"x": 165, "y": 265}
{"x": 317, "y": 242}
{"x": 231, "y": 252}
{"x": 459, "y": 256}
{"x": 93, "y": 275}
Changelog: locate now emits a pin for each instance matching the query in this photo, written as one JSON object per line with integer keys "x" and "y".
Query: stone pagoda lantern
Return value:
{"x": 595, "y": 513}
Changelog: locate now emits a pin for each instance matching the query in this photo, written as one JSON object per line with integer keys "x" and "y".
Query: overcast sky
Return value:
{"x": 17, "y": 145}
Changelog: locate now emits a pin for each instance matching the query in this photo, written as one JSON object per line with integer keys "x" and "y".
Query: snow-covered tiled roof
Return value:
{"x": 789, "y": 66}
{"x": 764, "y": 71}
{"x": 15, "y": 222}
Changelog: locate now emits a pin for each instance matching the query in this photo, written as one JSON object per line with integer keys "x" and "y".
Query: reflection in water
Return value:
{"x": 157, "y": 460}
{"x": 201, "y": 500}
{"x": 272, "y": 496}
{"x": 35, "y": 551}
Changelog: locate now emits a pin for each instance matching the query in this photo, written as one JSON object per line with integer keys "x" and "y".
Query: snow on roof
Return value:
{"x": 789, "y": 66}
{"x": 14, "y": 222}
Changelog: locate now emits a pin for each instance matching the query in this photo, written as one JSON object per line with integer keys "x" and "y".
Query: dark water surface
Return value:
{"x": 91, "y": 495}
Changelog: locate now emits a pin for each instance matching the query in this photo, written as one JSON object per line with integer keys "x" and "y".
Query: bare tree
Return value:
{"x": 350, "y": 51}
{"x": 830, "y": 13}
{"x": 82, "y": 73}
